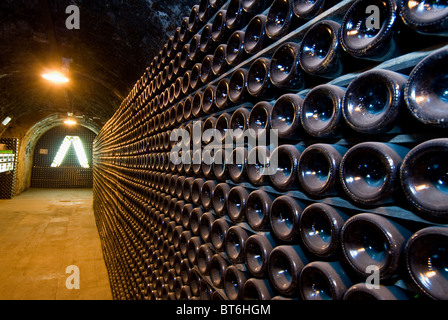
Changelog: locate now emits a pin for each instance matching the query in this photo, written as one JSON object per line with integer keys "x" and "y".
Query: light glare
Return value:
{"x": 55, "y": 77}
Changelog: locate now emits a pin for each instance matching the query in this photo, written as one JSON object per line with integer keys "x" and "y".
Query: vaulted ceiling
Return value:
{"x": 116, "y": 41}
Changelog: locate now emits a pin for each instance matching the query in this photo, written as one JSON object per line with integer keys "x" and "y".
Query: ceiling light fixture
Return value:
{"x": 55, "y": 77}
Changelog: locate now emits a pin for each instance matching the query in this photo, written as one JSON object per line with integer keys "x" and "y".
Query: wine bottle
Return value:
{"x": 285, "y": 116}
{"x": 194, "y": 219}
{"x": 320, "y": 226}
{"x": 363, "y": 37}
{"x": 423, "y": 177}
{"x": 204, "y": 256}
{"x": 285, "y": 265}
{"x": 222, "y": 94}
{"x": 219, "y": 30}
{"x": 425, "y": 256}
{"x": 236, "y": 17}
{"x": 234, "y": 280}
{"x": 287, "y": 158}
{"x": 205, "y": 290}
{"x": 259, "y": 83}
{"x": 318, "y": 168}
{"x": 257, "y": 251}
{"x": 219, "y": 233}
{"x": 196, "y": 191}
{"x": 307, "y": 10}
{"x": 235, "y": 48}
{"x": 239, "y": 124}
{"x": 280, "y": 19}
{"x": 207, "y": 191}
{"x": 260, "y": 119}
{"x": 321, "y": 280}
{"x": 236, "y": 203}
{"x": 361, "y": 291}
{"x": 284, "y": 218}
{"x": 195, "y": 77}
{"x": 321, "y": 114}
{"x": 192, "y": 249}
{"x": 257, "y": 289}
{"x": 206, "y": 68}
{"x": 195, "y": 54}
{"x": 237, "y": 165}
{"x": 220, "y": 65}
{"x": 320, "y": 50}
{"x": 259, "y": 204}
{"x": 286, "y": 72}
{"x": 222, "y": 125}
{"x": 370, "y": 240}
{"x": 255, "y": 38}
{"x": 205, "y": 225}
{"x": 424, "y": 95}
{"x": 255, "y": 6}
{"x": 220, "y": 164}
{"x": 425, "y": 17}
{"x": 193, "y": 20}
{"x": 208, "y": 100}
{"x": 374, "y": 108}
{"x": 205, "y": 10}
{"x": 258, "y": 166}
{"x": 238, "y": 85}
{"x": 209, "y": 126}
{"x": 235, "y": 242}
{"x": 368, "y": 171}
{"x": 219, "y": 198}
{"x": 218, "y": 266}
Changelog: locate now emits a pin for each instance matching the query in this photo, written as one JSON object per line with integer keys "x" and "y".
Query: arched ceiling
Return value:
{"x": 116, "y": 41}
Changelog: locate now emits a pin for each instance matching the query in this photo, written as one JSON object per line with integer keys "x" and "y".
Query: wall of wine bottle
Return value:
{"x": 360, "y": 188}
{"x": 68, "y": 173}
{"x": 8, "y": 167}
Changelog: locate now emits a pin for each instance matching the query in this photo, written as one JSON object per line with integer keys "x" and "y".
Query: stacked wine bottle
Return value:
{"x": 356, "y": 206}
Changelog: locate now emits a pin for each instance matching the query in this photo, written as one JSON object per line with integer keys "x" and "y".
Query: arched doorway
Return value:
{"x": 63, "y": 158}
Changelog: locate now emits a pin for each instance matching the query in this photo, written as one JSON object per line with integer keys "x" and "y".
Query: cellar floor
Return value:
{"x": 42, "y": 232}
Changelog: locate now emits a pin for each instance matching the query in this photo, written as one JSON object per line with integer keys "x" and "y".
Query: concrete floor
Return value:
{"x": 42, "y": 232}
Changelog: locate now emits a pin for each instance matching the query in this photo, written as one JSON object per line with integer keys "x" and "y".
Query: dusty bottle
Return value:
{"x": 318, "y": 168}
{"x": 257, "y": 251}
{"x": 280, "y": 19}
{"x": 235, "y": 243}
{"x": 361, "y": 291}
{"x": 320, "y": 51}
{"x": 259, "y": 83}
{"x": 235, "y": 48}
{"x": 425, "y": 255}
{"x": 255, "y": 38}
{"x": 285, "y": 116}
{"x": 237, "y": 166}
{"x": 238, "y": 86}
{"x": 365, "y": 38}
{"x": 370, "y": 240}
{"x": 284, "y": 218}
{"x": 424, "y": 92}
{"x": 257, "y": 289}
{"x": 234, "y": 280}
{"x": 322, "y": 110}
{"x": 236, "y": 203}
{"x": 369, "y": 171}
{"x": 258, "y": 208}
{"x": 321, "y": 280}
{"x": 320, "y": 227}
{"x": 218, "y": 266}
{"x": 373, "y": 100}
{"x": 285, "y": 265}
{"x": 425, "y": 17}
{"x": 220, "y": 197}
{"x": 219, "y": 232}
{"x": 286, "y": 72}
{"x": 425, "y": 165}
{"x": 287, "y": 157}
